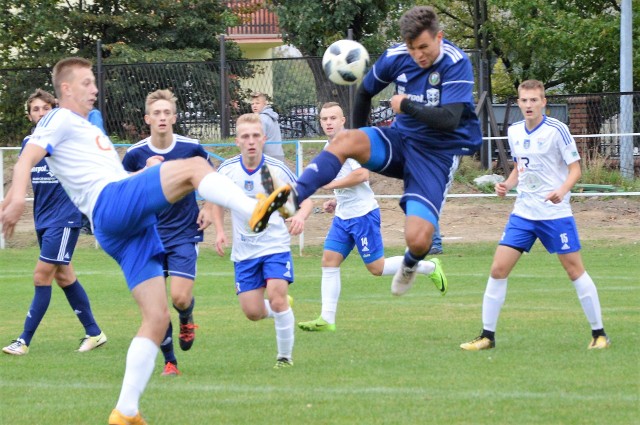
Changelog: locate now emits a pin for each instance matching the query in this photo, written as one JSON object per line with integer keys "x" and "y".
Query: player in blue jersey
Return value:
{"x": 546, "y": 167}
{"x": 262, "y": 261}
{"x": 435, "y": 124}
{"x": 122, "y": 208}
{"x": 57, "y": 223}
{"x": 181, "y": 225}
{"x": 356, "y": 224}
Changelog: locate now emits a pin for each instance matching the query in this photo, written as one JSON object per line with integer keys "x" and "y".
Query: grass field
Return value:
{"x": 391, "y": 361}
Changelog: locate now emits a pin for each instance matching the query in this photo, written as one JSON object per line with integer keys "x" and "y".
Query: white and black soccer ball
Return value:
{"x": 345, "y": 62}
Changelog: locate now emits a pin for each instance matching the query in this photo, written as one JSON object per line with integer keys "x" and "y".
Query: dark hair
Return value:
{"x": 45, "y": 96}
{"x": 417, "y": 20}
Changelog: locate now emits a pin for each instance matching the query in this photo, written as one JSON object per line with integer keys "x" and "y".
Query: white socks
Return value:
{"x": 221, "y": 190}
{"x": 588, "y": 296}
{"x": 284, "y": 323}
{"x": 494, "y": 297}
{"x": 141, "y": 359}
{"x": 392, "y": 264}
{"x": 330, "y": 290}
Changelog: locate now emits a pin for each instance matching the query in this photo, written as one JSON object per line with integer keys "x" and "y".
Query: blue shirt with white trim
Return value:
{"x": 448, "y": 80}
{"x": 178, "y": 223}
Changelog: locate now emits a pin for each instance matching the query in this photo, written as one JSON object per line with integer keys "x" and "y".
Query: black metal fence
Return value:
{"x": 296, "y": 88}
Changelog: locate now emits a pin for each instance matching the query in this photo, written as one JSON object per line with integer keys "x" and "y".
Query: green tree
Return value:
{"x": 37, "y": 34}
{"x": 312, "y": 26}
{"x": 570, "y": 45}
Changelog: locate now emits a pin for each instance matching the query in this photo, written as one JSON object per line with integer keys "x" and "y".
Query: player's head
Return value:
{"x": 332, "y": 119}
{"x": 420, "y": 30}
{"x": 250, "y": 137}
{"x": 258, "y": 102}
{"x": 532, "y": 100}
{"x": 38, "y": 104}
{"x": 160, "y": 111}
{"x": 75, "y": 84}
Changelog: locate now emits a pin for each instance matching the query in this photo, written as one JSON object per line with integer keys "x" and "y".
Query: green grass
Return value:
{"x": 391, "y": 361}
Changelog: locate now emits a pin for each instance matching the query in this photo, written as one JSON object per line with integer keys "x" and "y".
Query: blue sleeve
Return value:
{"x": 381, "y": 74}
{"x": 130, "y": 163}
{"x": 95, "y": 118}
{"x": 457, "y": 85}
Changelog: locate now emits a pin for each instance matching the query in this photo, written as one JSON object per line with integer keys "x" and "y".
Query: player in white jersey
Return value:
{"x": 356, "y": 224}
{"x": 546, "y": 167}
{"x": 262, "y": 261}
{"x": 122, "y": 209}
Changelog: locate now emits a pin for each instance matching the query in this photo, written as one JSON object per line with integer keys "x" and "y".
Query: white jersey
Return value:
{"x": 354, "y": 201}
{"x": 81, "y": 156}
{"x": 275, "y": 238}
{"x": 542, "y": 156}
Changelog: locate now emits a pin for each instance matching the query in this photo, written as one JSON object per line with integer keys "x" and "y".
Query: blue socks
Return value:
{"x": 167, "y": 346}
{"x": 79, "y": 302}
{"x": 185, "y": 314}
{"x": 410, "y": 260}
{"x": 39, "y": 306}
{"x": 322, "y": 170}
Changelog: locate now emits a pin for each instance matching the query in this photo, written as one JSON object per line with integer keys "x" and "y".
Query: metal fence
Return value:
{"x": 296, "y": 87}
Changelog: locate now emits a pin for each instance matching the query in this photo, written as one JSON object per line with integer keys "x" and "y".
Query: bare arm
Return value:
{"x": 205, "y": 216}
{"x": 355, "y": 177}
{"x": 504, "y": 187}
{"x": 218, "y": 222}
{"x": 558, "y": 195}
{"x": 296, "y": 223}
{"x": 13, "y": 205}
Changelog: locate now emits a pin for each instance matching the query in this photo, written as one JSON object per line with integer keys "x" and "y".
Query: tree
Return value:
{"x": 312, "y": 26}
{"x": 37, "y": 34}
{"x": 570, "y": 45}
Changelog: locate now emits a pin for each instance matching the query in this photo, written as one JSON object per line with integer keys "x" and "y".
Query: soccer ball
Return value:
{"x": 345, "y": 62}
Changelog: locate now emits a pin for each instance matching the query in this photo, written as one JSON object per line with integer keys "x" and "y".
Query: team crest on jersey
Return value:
{"x": 434, "y": 78}
{"x": 526, "y": 143}
{"x": 433, "y": 97}
{"x": 248, "y": 185}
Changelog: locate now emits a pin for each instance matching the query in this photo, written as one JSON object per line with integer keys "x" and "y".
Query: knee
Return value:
{"x": 181, "y": 300}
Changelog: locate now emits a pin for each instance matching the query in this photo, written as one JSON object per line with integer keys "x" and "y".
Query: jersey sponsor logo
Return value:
{"x": 41, "y": 169}
{"x": 434, "y": 78}
{"x": 248, "y": 185}
{"x": 433, "y": 97}
{"x": 103, "y": 143}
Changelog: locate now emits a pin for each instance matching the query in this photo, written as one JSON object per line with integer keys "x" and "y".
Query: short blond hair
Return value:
{"x": 63, "y": 70}
{"x": 249, "y": 118}
{"x": 532, "y": 85}
{"x": 157, "y": 95}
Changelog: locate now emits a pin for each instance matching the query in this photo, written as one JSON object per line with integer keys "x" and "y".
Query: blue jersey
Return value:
{"x": 51, "y": 204}
{"x": 448, "y": 80}
{"x": 178, "y": 223}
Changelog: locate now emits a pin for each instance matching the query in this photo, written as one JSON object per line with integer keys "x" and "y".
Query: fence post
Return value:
{"x": 224, "y": 111}
{"x": 100, "y": 81}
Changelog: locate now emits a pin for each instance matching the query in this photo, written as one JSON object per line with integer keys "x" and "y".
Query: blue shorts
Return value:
{"x": 559, "y": 236}
{"x": 427, "y": 173}
{"x": 57, "y": 244}
{"x": 124, "y": 219}
{"x": 180, "y": 260}
{"x": 253, "y": 274}
{"x": 363, "y": 232}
